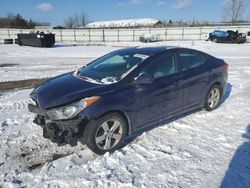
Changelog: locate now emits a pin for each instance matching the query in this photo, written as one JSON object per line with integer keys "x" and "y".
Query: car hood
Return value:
{"x": 64, "y": 89}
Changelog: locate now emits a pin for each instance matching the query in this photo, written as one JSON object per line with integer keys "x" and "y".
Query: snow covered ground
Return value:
{"x": 202, "y": 149}
{"x": 31, "y": 62}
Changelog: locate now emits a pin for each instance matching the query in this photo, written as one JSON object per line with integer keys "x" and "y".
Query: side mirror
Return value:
{"x": 144, "y": 79}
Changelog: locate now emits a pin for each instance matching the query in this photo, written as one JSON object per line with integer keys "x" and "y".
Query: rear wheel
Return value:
{"x": 105, "y": 134}
{"x": 213, "y": 98}
{"x": 239, "y": 40}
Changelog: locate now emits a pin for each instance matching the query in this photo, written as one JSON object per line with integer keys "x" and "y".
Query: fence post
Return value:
{"x": 9, "y": 33}
{"x": 74, "y": 35}
{"x": 183, "y": 33}
{"x": 103, "y": 36}
{"x": 133, "y": 35}
{"x": 89, "y": 36}
{"x": 200, "y": 32}
{"x": 118, "y": 35}
{"x": 166, "y": 34}
{"x": 61, "y": 35}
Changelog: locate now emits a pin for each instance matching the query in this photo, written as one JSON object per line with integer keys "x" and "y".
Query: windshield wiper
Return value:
{"x": 90, "y": 79}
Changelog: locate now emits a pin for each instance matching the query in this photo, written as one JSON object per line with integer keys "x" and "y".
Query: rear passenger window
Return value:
{"x": 189, "y": 60}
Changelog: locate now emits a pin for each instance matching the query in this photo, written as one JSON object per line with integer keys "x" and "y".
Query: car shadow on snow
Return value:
{"x": 134, "y": 136}
{"x": 227, "y": 93}
{"x": 238, "y": 173}
{"x": 62, "y": 45}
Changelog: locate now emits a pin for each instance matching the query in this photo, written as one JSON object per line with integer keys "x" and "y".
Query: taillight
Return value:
{"x": 225, "y": 66}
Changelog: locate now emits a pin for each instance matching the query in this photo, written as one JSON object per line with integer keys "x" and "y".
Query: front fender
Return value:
{"x": 102, "y": 107}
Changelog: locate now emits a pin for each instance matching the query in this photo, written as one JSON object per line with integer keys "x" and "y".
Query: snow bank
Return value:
{"x": 45, "y": 62}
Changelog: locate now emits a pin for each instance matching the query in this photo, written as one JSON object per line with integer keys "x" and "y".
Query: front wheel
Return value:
{"x": 215, "y": 40}
{"x": 105, "y": 134}
{"x": 213, "y": 98}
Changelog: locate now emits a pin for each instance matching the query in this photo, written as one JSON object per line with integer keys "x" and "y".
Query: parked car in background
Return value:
{"x": 227, "y": 37}
{"x": 248, "y": 36}
{"x": 59, "y": 27}
{"x": 125, "y": 91}
{"x": 148, "y": 38}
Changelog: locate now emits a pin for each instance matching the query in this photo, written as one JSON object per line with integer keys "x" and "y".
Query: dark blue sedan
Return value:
{"x": 124, "y": 91}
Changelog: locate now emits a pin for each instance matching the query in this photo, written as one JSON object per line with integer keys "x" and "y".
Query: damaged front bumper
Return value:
{"x": 59, "y": 131}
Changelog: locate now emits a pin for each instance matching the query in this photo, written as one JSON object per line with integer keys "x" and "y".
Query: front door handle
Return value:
{"x": 179, "y": 83}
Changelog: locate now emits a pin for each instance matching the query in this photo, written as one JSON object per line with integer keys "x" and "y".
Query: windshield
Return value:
{"x": 111, "y": 67}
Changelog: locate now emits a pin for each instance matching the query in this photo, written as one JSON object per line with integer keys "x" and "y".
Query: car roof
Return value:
{"x": 148, "y": 50}
{"x": 155, "y": 50}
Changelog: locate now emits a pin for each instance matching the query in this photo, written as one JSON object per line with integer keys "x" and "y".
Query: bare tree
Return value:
{"x": 83, "y": 19}
{"x": 76, "y": 21}
{"x": 233, "y": 9}
{"x": 69, "y": 22}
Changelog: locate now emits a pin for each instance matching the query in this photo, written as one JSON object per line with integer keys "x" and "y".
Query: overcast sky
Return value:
{"x": 55, "y": 11}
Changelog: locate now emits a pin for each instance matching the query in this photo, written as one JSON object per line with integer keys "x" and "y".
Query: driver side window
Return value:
{"x": 162, "y": 66}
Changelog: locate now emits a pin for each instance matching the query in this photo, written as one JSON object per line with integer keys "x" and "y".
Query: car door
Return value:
{"x": 160, "y": 98}
{"x": 194, "y": 76}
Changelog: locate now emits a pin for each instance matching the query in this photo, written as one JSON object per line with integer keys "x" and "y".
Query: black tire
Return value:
{"x": 8, "y": 41}
{"x": 94, "y": 129}
{"x": 215, "y": 40}
{"x": 208, "y": 106}
{"x": 17, "y": 41}
{"x": 239, "y": 40}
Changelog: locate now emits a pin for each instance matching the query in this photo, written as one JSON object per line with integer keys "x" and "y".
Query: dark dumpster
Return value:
{"x": 38, "y": 39}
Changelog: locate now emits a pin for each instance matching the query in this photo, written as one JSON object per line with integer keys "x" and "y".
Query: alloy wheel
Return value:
{"x": 214, "y": 98}
{"x": 109, "y": 134}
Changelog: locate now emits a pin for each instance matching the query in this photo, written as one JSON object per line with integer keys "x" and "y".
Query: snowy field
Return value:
{"x": 202, "y": 149}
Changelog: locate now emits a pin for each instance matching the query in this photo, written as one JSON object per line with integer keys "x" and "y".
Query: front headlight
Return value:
{"x": 71, "y": 110}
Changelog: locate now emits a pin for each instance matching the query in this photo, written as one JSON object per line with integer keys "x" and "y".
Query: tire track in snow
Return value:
{"x": 17, "y": 106}
{"x": 14, "y": 103}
